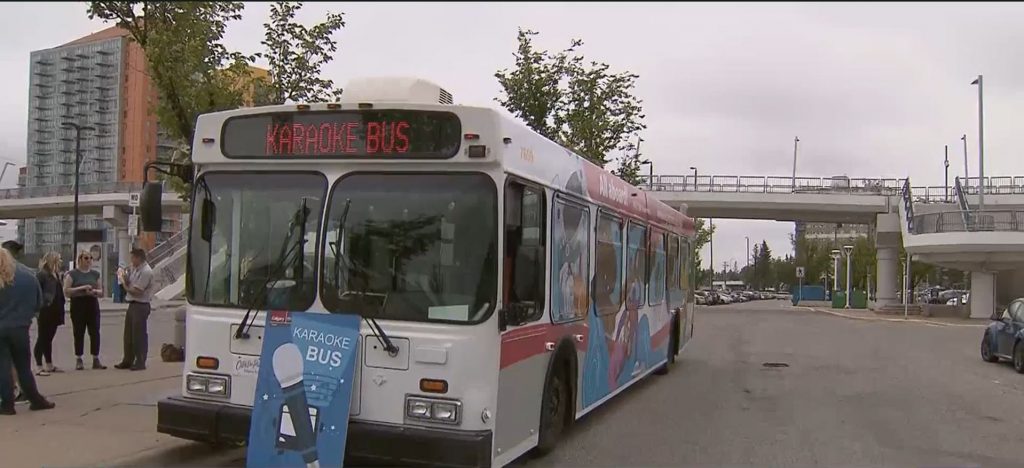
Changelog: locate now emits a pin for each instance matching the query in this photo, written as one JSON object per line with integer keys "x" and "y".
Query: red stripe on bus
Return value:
{"x": 526, "y": 342}
{"x": 661, "y": 335}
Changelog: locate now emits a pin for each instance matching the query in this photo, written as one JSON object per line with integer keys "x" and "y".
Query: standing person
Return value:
{"x": 51, "y": 315}
{"x": 20, "y": 298}
{"x": 138, "y": 282}
{"x": 82, "y": 285}
{"x": 15, "y": 248}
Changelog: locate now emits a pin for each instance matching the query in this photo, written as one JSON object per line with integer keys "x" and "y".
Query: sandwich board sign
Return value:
{"x": 303, "y": 390}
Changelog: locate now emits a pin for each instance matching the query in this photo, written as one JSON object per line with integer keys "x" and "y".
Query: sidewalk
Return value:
{"x": 864, "y": 314}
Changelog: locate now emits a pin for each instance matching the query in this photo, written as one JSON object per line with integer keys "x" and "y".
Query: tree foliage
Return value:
{"x": 296, "y": 55}
{"x": 578, "y": 104}
{"x": 704, "y": 233}
{"x": 194, "y": 72}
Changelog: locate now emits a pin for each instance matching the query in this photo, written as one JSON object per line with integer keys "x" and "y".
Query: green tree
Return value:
{"x": 296, "y": 55}
{"x": 580, "y": 105}
{"x": 196, "y": 74}
{"x": 704, "y": 233}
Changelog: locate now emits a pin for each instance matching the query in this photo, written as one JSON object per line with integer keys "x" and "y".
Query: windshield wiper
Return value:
{"x": 298, "y": 224}
{"x": 339, "y": 256}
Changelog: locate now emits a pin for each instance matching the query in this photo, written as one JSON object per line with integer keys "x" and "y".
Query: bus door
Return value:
{"x": 524, "y": 356}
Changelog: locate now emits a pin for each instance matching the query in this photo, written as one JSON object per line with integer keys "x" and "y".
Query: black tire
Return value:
{"x": 554, "y": 414}
{"x": 986, "y": 350}
{"x": 1018, "y": 357}
{"x": 673, "y": 339}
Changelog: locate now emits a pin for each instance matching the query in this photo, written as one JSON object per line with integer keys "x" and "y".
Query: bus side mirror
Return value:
{"x": 151, "y": 206}
{"x": 207, "y": 219}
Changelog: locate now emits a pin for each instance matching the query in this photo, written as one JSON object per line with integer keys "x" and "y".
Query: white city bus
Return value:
{"x": 521, "y": 285}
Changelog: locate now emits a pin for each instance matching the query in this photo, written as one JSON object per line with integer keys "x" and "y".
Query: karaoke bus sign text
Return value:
{"x": 303, "y": 390}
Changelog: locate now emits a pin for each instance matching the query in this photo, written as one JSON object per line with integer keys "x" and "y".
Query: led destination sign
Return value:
{"x": 349, "y": 134}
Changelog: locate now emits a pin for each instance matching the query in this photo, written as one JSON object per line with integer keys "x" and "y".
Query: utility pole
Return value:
{"x": 78, "y": 167}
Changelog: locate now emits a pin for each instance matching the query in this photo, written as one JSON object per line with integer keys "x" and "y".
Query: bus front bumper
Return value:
{"x": 367, "y": 443}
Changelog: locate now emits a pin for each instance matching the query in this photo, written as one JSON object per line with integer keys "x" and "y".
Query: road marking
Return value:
{"x": 886, "y": 319}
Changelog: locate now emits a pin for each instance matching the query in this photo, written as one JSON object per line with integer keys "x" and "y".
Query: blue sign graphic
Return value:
{"x": 303, "y": 391}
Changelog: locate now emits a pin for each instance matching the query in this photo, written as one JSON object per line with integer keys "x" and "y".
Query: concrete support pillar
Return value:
{"x": 888, "y": 275}
{"x": 124, "y": 246}
{"x": 983, "y": 294}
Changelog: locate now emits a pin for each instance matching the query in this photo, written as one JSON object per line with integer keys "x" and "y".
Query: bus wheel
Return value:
{"x": 673, "y": 340}
{"x": 554, "y": 411}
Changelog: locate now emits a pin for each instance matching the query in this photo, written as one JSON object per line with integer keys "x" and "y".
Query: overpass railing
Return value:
{"x": 168, "y": 247}
{"x": 67, "y": 190}
{"x": 769, "y": 184}
{"x": 1001, "y": 185}
{"x": 954, "y": 221}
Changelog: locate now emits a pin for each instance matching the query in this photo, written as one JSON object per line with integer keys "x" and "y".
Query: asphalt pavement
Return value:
{"x": 851, "y": 393}
{"x": 839, "y": 392}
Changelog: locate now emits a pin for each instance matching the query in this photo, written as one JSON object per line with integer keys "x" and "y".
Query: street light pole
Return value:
{"x": 694, "y": 169}
{"x": 981, "y": 144}
{"x": 966, "y": 176}
{"x": 78, "y": 166}
{"x": 947, "y": 173}
{"x": 4, "y": 172}
{"x": 796, "y": 141}
{"x": 748, "y": 250}
{"x": 711, "y": 243}
{"x": 848, "y": 249}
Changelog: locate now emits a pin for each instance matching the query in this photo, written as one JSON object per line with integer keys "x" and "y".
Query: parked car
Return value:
{"x": 1004, "y": 337}
{"x": 700, "y": 298}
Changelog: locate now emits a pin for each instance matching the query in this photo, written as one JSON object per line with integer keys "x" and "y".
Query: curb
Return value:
{"x": 884, "y": 319}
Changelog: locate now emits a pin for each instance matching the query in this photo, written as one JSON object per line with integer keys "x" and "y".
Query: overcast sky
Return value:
{"x": 871, "y": 90}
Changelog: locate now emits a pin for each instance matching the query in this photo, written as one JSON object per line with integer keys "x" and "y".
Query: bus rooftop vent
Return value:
{"x": 395, "y": 89}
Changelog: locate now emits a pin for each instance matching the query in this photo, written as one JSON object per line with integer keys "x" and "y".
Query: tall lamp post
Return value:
{"x": 694, "y": 169}
{"x": 796, "y": 141}
{"x": 848, "y": 250}
{"x": 748, "y": 250}
{"x": 78, "y": 166}
{"x": 650, "y": 177}
{"x": 966, "y": 175}
{"x": 946, "y": 162}
{"x": 981, "y": 145}
{"x": 4, "y": 172}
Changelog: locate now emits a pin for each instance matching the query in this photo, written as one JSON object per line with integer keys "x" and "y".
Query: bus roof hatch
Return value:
{"x": 394, "y": 89}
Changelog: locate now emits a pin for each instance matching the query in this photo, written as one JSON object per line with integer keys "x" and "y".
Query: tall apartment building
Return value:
{"x": 98, "y": 81}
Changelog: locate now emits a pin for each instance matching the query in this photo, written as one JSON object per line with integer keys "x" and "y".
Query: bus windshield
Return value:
{"x": 264, "y": 226}
{"x": 419, "y": 247}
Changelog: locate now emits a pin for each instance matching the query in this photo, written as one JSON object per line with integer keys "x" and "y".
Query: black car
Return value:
{"x": 1004, "y": 338}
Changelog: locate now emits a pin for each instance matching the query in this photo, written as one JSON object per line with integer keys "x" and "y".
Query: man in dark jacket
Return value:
{"x": 16, "y": 249}
{"x": 20, "y": 299}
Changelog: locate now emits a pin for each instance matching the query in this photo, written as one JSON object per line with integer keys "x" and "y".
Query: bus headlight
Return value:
{"x": 208, "y": 385}
{"x": 426, "y": 409}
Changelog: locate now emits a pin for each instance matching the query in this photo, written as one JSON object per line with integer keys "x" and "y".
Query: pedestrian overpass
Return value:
{"x": 111, "y": 201}
{"x": 935, "y": 224}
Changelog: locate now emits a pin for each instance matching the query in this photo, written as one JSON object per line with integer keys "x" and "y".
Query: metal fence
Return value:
{"x": 67, "y": 190}
{"x": 868, "y": 186}
{"x": 769, "y": 184}
{"x": 955, "y": 221}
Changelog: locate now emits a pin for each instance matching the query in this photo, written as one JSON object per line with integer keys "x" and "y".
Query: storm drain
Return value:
{"x": 775, "y": 364}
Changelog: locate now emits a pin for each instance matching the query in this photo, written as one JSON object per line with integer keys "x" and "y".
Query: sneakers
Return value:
{"x": 20, "y": 398}
{"x": 7, "y": 411}
{"x": 78, "y": 364}
{"x": 96, "y": 364}
{"x": 41, "y": 405}
{"x": 42, "y": 372}
{"x": 138, "y": 368}
{"x": 122, "y": 365}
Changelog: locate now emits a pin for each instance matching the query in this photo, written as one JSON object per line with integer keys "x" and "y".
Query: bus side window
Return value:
{"x": 525, "y": 248}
